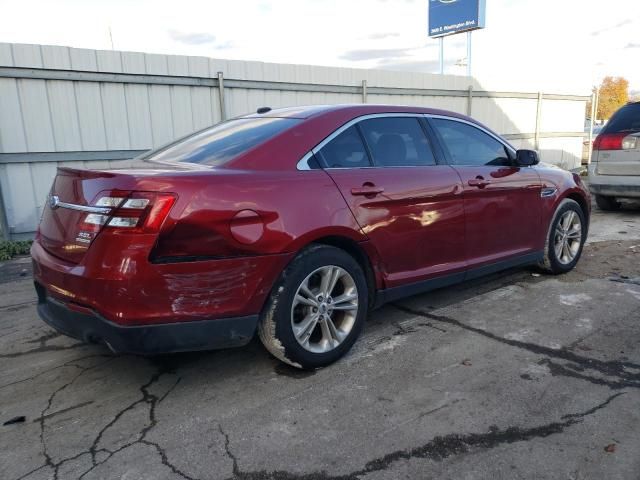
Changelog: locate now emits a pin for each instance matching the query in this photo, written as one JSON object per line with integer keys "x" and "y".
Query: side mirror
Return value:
{"x": 527, "y": 158}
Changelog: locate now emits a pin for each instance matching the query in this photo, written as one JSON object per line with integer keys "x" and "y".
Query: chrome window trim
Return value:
{"x": 303, "y": 164}
{"x": 511, "y": 148}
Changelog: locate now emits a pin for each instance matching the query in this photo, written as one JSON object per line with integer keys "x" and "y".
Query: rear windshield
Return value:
{"x": 627, "y": 119}
{"x": 217, "y": 145}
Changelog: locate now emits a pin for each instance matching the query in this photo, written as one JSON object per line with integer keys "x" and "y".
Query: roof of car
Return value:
{"x": 308, "y": 111}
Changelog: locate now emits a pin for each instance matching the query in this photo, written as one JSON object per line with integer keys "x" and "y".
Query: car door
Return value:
{"x": 408, "y": 205}
{"x": 502, "y": 202}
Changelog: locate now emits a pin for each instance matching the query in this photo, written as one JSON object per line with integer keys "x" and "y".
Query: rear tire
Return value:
{"x": 565, "y": 238}
{"x": 317, "y": 308}
{"x": 608, "y": 204}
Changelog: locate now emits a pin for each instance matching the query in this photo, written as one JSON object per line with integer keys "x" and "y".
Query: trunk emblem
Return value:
{"x": 54, "y": 201}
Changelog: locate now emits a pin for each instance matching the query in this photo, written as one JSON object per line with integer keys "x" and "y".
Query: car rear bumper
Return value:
{"x": 86, "y": 325}
{"x": 613, "y": 185}
{"x": 629, "y": 191}
{"x": 126, "y": 289}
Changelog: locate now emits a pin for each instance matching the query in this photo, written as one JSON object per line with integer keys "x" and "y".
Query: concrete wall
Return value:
{"x": 89, "y": 108}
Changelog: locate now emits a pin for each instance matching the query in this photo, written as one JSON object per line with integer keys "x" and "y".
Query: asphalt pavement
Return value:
{"x": 518, "y": 375}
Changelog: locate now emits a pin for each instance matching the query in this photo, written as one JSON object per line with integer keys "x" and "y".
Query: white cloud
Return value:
{"x": 192, "y": 38}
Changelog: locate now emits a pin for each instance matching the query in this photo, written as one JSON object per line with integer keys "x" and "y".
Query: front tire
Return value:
{"x": 565, "y": 238}
{"x": 608, "y": 204}
{"x": 317, "y": 308}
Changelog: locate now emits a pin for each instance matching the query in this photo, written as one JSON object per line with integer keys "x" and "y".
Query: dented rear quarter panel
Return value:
{"x": 213, "y": 275}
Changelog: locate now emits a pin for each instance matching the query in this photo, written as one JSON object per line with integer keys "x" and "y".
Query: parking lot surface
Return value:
{"x": 517, "y": 375}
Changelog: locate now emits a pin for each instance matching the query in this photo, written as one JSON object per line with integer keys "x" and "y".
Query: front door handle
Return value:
{"x": 367, "y": 189}
{"x": 479, "y": 182}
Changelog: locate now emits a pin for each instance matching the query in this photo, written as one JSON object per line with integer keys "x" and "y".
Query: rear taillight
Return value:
{"x": 134, "y": 212}
{"x": 616, "y": 141}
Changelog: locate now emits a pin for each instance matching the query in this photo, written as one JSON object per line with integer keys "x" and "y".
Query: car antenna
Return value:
{"x": 263, "y": 110}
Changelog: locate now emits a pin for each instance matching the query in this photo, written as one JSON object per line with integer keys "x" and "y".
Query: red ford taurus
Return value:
{"x": 294, "y": 223}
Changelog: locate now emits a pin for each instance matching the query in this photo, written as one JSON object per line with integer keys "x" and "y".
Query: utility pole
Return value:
{"x": 593, "y": 114}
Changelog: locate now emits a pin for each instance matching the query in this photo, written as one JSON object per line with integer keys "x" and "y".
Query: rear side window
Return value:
{"x": 627, "y": 119}
{"x": 217, "y": 145}
{"x": 397, "y": 142}
{"x": 345, "y": 151}
{"x": 468, "y": 145}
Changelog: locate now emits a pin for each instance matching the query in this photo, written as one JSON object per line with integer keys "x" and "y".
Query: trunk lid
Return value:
{"x": 62, "y": 230}
{"x": 82, "y": 203}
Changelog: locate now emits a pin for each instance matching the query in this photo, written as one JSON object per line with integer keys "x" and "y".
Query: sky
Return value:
{"x": 533, "y": 45}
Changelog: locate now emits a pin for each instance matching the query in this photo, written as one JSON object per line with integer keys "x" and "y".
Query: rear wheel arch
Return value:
{"x": 354, "y": 249}
{"x": 276, "y": 327}
{"x": 349, "y": 246}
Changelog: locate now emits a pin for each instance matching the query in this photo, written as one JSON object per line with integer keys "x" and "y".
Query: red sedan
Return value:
{"x": 295, "y": 223}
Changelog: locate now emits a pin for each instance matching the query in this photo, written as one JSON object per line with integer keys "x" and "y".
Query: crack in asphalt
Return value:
{"x": 42, "y": 345}
{"x": 171, "y": 389}
{"x": 236, "y": 469}
{"x": 45, "y": 338}
{"x": 152, "y": 401}
{"x": 64, "y": 410}
{"x": 69, "y": 363}
{"x": 405, "y": 329}
{"x": 437, "y": 449}
{"x": 30, "y": 472}
{"x": 147, "y": 398}
{"x": 573, "y": 371}
{"x": 41, "y": 349}
{"x": 376, "y": 341}
{"x": 43, "y": 416}
{"x": 16, "y": 307}
{"x": 616, "y": 370}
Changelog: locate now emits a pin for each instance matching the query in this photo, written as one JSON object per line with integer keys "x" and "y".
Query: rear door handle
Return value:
{"x": 479, "y": 182}
{"x": 366, "y": 190}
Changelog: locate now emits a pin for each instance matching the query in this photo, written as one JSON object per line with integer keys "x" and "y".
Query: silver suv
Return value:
{"x": 614, "y": 172}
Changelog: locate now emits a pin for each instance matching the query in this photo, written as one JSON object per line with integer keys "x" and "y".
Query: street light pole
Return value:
{"x": 469, "y": 53}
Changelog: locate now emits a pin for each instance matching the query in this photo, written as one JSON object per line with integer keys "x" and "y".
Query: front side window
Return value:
{"x": 345, "y": 151}
{"x": 397, "y": 142}
{"x": 217, "y": 145}
{"x": 468, "y": 145}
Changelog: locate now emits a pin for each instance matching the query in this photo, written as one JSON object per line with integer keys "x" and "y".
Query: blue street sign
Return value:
{"x": 447, "y": 17}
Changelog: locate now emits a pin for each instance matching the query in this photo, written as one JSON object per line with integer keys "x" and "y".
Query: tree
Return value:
{"x": 614, "y": 93}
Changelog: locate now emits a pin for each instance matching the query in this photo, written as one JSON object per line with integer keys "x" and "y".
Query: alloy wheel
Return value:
{"x": 568, "y": 237}
{"x": 324, "y": 309}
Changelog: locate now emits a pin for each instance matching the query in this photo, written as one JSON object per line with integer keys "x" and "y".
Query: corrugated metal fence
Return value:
{"x": 91, "y": 108}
